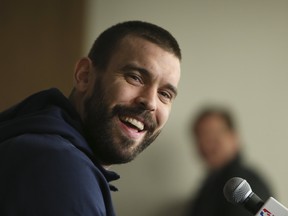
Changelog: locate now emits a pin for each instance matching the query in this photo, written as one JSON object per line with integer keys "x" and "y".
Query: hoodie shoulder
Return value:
{"x": 51, "y": 173}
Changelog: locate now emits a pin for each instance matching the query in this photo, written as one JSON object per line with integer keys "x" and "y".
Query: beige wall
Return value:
{"x": 235, "y": 52}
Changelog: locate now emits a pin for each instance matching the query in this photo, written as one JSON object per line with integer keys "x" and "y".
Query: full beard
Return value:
{"x": 99, "y": 127}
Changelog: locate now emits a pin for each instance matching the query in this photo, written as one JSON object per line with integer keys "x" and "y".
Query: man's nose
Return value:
{"x": 147, "y": 99}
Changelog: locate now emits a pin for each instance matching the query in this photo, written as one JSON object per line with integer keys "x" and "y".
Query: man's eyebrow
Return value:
{"x": 136, "y": 68}
{"x": 146, "y": 73}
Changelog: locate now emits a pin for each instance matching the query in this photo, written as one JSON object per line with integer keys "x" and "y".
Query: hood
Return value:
{"x": 47, "y": 111}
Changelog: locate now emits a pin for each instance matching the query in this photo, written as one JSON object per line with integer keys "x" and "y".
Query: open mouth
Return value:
{"x": 132, "y": 123}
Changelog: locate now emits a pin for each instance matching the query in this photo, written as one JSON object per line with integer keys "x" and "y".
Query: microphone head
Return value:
{"x": 237, "y": 190}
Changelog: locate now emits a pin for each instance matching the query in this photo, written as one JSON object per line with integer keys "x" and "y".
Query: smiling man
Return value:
{"x": 55, "y": 151}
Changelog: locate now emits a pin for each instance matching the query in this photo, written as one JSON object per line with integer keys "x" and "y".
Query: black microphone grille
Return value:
{"x": 236, "y": 190}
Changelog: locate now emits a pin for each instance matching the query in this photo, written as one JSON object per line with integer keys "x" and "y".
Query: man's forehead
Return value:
{"x": 141, "y": 39}
{"x": 137, "y": 52}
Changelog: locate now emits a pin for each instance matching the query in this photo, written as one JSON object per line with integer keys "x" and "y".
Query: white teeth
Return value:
{"x": 134, "y": 122}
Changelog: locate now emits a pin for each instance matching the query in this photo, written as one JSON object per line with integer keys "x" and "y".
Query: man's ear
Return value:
{"x": 83, "y": 74}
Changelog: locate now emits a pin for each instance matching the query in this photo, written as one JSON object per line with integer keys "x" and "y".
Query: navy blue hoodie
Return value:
{"x": 46, "y": 166}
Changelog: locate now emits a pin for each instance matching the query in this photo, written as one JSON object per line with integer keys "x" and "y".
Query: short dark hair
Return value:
{"x": 224, "y": 113}
{"x": 108, "y": 40}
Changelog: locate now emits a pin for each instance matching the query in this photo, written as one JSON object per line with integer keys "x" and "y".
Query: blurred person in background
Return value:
{"x": 218, "y": 143}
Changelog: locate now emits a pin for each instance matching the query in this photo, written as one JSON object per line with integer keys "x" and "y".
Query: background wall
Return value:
{"x": 39, "y": 44}
{"x": 235, "y": 53}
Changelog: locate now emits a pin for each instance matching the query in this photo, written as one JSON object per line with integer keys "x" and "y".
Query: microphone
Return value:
{"x": 239, "y": 192}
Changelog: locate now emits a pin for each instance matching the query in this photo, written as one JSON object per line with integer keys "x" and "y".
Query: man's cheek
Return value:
{"x": 165, "y": 114}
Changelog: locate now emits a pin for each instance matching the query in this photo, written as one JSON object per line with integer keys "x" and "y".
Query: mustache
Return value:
{"x": 149, "y": 121}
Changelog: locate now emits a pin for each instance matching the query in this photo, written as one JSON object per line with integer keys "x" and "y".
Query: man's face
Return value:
{"x": 216, "y": 142}
{"x": 131, "y": 100}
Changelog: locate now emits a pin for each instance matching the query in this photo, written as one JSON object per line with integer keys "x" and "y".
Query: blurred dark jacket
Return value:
{"x": 210, "y": 200}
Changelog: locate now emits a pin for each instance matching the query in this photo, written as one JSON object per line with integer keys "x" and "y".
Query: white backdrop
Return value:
{"x": 235, "y": 52}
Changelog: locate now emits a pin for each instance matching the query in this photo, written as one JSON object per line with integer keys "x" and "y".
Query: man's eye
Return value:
{"x": 165, "y": 96}
{"x": 133, "y": 78}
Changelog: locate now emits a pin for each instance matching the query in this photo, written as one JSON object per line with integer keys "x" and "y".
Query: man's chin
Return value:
{"x": 127, "y": 156}
{"x": 120, "y": 159}
{"x": 125, "y": 150}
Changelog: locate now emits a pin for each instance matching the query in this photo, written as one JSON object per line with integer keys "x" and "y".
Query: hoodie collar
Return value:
{"x": 56, "y": 111}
